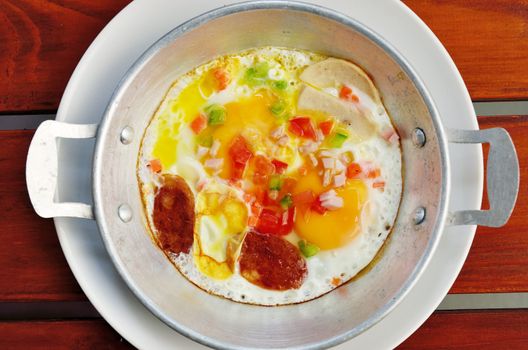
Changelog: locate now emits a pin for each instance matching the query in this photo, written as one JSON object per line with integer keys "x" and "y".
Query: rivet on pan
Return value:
{"x": 126, "y": 135}
{"x": 419, "y": 215}
{"x": 418, "y": 137}
{"x": 124, "y": 212}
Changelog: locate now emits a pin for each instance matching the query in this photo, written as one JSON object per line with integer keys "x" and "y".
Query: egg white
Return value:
{"x": 343, "y": 263}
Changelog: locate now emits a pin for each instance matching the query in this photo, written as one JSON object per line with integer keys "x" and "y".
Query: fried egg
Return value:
{"x": 293, "y": 167}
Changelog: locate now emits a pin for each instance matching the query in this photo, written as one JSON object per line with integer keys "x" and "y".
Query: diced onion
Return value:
{"x": 313, "y": 159}
{"x": 285, "y": 218}
{"x": 339, "y": 166}
{"x": 319, "y": 135}
{"x": 283, "y": 141}
{"x": 201, "y": 151}
{"x": 328, "y": 163}
{"x": 214, "y": 148}
{"x": 333, "y": 203}
{"x": 308, "y": 147}
{"x": 326, "y": 178}
{"x": 214, "y": 163}
{"x": 327, "y": 195}
{"x": 339, "y": 180}
{"x": 278, "y": 132}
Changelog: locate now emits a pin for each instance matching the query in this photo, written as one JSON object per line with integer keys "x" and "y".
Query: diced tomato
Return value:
{"x": 240, "y": 154}
{"x": 199, "y": 123}
{"x": 276, "y": 222}
{"x": 280, "y": 167}
{"x": 353, "y": 170}
{"x": 317, "y": 206}
{"x": 302, "y": 127}
{"x": 287, "y": 186}
{"x": 374, "y": 173}
{"x": 303, "y": 198}
{"x": 263, "y": 169}
{"x": 346, "y": 94}
{"x": 221, "y": 77}
{"x": 379, "y": 185}
{"x": 155, "y": 165}
{"x": 326, "y": 127}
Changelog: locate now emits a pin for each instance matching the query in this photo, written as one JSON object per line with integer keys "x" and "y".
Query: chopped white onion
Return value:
{"x": 285, "y": 218}
{"x": 339, "y": 167}
{"x": 214, "y": 163}
{"x": 339, "y": 180}
{"x": 283, "y": 141}
{"x": 313, "y": 159}
{"x": 328, "y": 163}
{"x": 308, "y": 147}
{"x": 214, "y": 148}
{"x": 327, "y": 195}
{"x": 326, "y": 154}
{"x": 333, "y": 203}
{"x": 319, "y": 135}
{"x": 201, "y": 151}
{"x": 326, "y": 178}
{"x": 278, "y": 132}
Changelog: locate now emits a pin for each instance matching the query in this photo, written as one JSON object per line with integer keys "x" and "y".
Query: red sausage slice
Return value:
{"x": 174, "y": 215}
{"x": 271, "y": 262}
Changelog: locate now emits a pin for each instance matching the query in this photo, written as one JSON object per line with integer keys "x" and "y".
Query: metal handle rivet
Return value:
{"x": 418, "y": 137}
{"x": 126, "y": 136}
{"x": 419, "y": 215}
{"x": 124, "y": 212}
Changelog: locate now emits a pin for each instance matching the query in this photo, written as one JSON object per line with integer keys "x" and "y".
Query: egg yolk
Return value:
{"x": 251, "y": 116}
{"x": 227, "y": 218}
{"x": 335, "y": 228}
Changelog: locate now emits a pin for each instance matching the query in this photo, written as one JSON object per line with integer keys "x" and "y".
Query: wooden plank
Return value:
{"x": 488, "y": 41}
{"x": 42, "y": 41}
{"x": 60, "y": 335}
{"x": 504, "y": 329}
{"x": 33, "y": 266}
{"x": 498, "y": 259}
{"x": 40, "y": 45}
{"x": 479, "y": 330}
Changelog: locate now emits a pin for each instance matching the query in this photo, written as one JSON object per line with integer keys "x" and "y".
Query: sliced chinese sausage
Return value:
{"x": 173, "y": 215}
{"x": 314, "y": 100}
{"x": 334, "y": 72}
{"x": 271, "y": 262}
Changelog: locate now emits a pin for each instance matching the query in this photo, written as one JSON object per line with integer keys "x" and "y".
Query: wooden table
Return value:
{"x": 41, "y": 42}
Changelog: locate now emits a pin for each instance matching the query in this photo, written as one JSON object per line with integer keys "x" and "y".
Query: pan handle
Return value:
{"x": 502, "y": 177}
{"x": 42, "y": 167}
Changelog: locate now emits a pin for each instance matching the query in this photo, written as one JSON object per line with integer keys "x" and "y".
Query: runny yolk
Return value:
{"x": 336, "y": 228}
{"x": 252, "y": 117}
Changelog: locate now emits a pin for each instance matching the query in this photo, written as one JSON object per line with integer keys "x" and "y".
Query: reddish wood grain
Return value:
{"x": 41, "y": 42}
{"x": 478, "y": 330}
{"x": 488, "y": 41}
{"x": 60, "y": 335}
{"x": 32, "y": 264}
{"x": 498, "y": 259}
